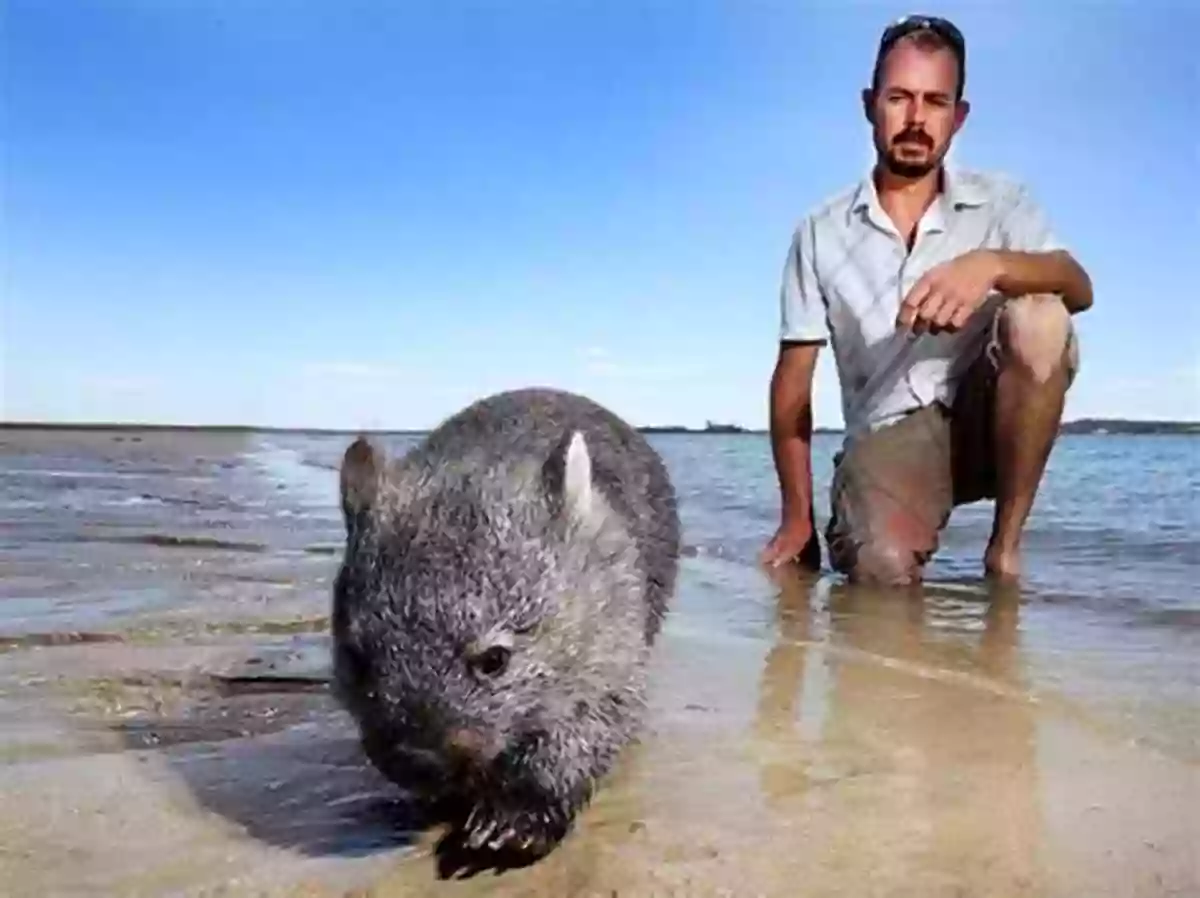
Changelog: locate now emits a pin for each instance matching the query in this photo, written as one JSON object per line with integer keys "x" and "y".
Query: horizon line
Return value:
{"x": 713, "y": 429}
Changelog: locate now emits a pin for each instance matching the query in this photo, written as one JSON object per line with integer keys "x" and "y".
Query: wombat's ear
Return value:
{"x": 359, "y": 480}
{"x": 568, "y": 474}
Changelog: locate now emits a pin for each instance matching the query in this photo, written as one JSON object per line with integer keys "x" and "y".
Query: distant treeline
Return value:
{"x": 1080, "y": 426}
{"x": 1120, "y": 425}
{"x": 1098, "y": 426}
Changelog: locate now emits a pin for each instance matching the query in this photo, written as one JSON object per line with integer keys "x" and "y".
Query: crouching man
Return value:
{"x": 948, "y": 303}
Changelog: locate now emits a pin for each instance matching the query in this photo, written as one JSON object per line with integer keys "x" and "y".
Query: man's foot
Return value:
{"x": 1002, "y": 564}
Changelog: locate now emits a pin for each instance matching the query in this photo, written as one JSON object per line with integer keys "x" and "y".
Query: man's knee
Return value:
{"x": 1036, "y": 334}
{"x": 879, "y": 560}
{"x": 885, "y": 563}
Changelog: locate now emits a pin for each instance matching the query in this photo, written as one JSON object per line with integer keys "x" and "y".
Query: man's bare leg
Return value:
{"x": 1031, "y": 388}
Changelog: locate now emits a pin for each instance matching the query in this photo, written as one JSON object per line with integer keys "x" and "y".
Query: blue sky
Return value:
{"x": 353, "y": 214}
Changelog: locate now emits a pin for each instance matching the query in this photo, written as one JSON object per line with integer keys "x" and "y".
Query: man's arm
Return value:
{"x": 803, "y": 329}
{"x": 791, "y": 428}
{"x": 1021, "y": 273}
{"x": 1029, "y": 262}
{"x": 1033, "y": 259}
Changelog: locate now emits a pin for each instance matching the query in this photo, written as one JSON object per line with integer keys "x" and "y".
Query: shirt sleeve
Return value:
{"x": 802, "y": 315}
{"x": 1026, "y": 227}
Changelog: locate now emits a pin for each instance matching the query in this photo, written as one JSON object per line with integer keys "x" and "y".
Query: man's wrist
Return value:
{"x": 997, "y": 268}
{"x": 796, "y": 511}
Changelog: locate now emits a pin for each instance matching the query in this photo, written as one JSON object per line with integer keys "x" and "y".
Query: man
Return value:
{"x": 948, "y": 304}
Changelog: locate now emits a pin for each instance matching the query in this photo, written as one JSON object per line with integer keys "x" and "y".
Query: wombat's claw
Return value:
{"x": 479, "y": 837}
{"x": 470, "y": 824}
{"x": 501, "y": 840}
{"x": 489, "y": 829}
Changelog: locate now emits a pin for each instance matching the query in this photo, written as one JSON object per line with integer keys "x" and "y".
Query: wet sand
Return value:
{"x": 805, "y": 738}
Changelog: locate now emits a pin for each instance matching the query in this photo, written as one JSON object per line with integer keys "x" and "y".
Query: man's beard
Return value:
{"x": 904, "y": 169}
{"x": 909, "y": 169}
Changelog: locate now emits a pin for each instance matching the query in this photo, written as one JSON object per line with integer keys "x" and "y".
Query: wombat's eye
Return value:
{"x": 493, "y": 661}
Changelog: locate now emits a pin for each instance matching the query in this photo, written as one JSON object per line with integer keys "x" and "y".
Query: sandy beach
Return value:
{"x": 805, "y": 738}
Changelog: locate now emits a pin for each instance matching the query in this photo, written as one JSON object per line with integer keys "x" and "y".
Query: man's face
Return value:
{"x": 913, "y": 112}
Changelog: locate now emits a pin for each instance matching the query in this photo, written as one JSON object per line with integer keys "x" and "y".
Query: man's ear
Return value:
{"x": 961, "y": 110}
{"x": 362, "y": 466}
{"x": 868, "y": 104}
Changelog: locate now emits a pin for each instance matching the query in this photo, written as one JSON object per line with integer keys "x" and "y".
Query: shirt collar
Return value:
{"x": 958, "y": 191}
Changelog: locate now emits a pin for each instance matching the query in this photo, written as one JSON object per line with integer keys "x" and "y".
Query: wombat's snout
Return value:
{"x": 469, "y": 749}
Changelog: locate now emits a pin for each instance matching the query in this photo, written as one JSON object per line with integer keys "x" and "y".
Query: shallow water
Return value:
{"x": 163, "y": 643}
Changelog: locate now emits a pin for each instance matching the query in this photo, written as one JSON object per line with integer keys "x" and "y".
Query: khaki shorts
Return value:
{"x": 893, "y": 489}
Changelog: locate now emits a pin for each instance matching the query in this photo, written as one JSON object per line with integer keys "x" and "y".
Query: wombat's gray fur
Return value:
{"x": 501, "y": 588}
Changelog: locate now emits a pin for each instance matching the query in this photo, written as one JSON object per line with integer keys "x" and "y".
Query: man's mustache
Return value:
{"x": 915, "y": 135}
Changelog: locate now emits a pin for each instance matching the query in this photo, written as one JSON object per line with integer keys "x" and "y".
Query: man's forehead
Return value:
{"x": 908, "y": 62}
{"x": 908, "y": 50}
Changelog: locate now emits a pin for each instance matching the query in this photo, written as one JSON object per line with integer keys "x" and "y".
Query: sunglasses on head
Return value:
{"x": 907, "y": 25}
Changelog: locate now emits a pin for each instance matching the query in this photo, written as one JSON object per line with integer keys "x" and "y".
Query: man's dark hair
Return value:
{"x": 928, "y": 33}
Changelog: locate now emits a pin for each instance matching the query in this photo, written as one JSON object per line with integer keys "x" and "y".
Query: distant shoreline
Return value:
{"x": 1081, "y": 426}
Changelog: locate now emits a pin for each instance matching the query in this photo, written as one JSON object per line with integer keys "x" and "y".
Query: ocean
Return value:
{"x": 141, "y": 569}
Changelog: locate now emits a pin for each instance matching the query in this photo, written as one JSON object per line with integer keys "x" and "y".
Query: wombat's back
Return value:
{"x": 531, "y": 423}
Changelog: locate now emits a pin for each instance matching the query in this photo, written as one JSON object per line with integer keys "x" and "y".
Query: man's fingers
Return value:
{"x": 927, "y": 314}
{"x": 942, "y": 299}
{"x": 946, "y": 311}
{"x": 781, "y": 550}
{"x": 910, "y": 308}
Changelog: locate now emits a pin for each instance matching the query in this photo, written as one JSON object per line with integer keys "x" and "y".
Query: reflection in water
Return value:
{"x": 870, "y": 714}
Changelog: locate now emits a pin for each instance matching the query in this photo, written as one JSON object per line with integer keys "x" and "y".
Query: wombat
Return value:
{"x": 501, "y": 588}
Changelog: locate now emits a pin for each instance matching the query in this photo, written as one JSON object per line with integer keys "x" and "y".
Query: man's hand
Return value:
{"x": 796, "y": 541}
{"x": 948, "y": 294}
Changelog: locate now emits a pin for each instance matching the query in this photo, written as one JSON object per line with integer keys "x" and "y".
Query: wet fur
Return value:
{"x": 533, "y": 522}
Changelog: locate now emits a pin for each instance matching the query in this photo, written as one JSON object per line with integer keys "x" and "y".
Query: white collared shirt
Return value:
{"x": 848, "y": 270}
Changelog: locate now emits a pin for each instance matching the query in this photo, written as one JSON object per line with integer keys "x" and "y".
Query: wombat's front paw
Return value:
{"x": 499, "y": 828}
{"x": 495, "y": 838}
